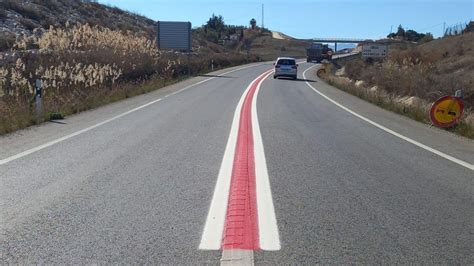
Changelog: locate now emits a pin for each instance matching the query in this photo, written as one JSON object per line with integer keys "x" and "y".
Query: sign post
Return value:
{"x": 38, "y": 100}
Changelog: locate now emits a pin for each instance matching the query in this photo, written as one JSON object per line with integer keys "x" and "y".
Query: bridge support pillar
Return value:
{"x": 335, "y": 47}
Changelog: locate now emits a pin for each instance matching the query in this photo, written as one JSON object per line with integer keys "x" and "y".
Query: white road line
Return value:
{"x": 51, "y": 143}
{"x": 267, "y": 223}
{"x": 211, "y": 238}
{"x": 56, "y": 141}
{"x": 414, "y": 142}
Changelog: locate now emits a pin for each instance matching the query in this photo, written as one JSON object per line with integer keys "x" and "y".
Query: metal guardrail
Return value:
{"x": 345, "y": 56}
{"x": 335, "y": 60}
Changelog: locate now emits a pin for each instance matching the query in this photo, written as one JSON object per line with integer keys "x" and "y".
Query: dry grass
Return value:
{"x": 83, "y": 67}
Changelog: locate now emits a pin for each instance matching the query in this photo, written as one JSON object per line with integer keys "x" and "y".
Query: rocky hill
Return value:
{"x": 24, "y": 16}
{"x": 33, "y": 17}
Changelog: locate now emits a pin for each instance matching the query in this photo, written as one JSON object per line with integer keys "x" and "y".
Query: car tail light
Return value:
{"x": 277, "y": 66}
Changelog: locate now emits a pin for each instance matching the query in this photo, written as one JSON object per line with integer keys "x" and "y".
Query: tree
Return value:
{"x": 216, "y": 23}
{"x": 427, "y": 38}
{"x": 410, "y": 35}
{"x": 253, "y": 23}
{"x": 401, "y": 32}
{"x": 413, "y": 36}
{"x": 392, "y": 35}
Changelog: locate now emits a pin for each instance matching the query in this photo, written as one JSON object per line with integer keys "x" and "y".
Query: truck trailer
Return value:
{"x": 318, "y": 52}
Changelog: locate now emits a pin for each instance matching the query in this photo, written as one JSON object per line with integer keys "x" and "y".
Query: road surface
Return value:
{"x": 135, "y": 181}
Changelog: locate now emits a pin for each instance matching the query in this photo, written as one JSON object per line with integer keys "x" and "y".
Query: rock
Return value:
{"x": 469, "y": 119}
{"x": 341, "y": 72}
{"x": 410, "y": 101}
{"x": 359, "y": 83}
{"x": 374, "y": 89}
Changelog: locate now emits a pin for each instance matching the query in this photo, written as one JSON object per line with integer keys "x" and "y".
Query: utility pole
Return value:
{"x": 444, "y": 29}
{"x": 263, "y": 16}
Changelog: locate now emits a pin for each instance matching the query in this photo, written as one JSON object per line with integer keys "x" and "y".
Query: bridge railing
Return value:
{"x": 339, "y": 40}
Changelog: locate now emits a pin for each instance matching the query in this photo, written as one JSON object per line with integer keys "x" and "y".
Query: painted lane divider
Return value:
{"x": 241, "y": 226}
{"x": 242, "y": 215}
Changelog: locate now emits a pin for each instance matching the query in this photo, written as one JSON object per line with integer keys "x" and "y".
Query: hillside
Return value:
{"x": 24, "y": 16}
{"x": 268, "y": 48}
{"x": 427, "y": 71}
{"x": 28, "y": 17}
{"x": 454, "y": 59}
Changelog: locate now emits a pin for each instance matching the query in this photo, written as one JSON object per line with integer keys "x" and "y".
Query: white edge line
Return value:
{"x": 211, "y": 238}
{"x": 407, "y": 139}
{"x": 56, "y": 141}
{"x": 267, "y": 222}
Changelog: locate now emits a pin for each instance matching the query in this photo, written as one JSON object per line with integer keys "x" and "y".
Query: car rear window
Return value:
{"x": 286, "y": 62}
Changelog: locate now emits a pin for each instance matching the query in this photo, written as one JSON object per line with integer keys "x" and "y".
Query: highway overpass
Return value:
{"x": 340, "y": 40}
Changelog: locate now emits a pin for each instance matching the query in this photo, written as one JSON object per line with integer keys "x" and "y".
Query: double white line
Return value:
{"x": 267, "y": 233}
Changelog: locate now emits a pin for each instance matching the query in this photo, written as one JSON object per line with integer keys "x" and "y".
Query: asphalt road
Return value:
{"x": 137, "y": 188}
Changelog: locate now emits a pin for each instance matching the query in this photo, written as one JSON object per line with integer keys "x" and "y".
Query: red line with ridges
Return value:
{"x": 241, "y": 225}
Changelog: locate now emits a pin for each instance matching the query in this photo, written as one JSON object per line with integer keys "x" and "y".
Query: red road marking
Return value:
{"x": 241, "y": 225}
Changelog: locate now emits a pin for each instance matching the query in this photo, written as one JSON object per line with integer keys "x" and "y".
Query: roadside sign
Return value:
{"x": 174, "y": 35}
{"x": 38, "y": 99}
{"x": 374, "y": 50}
{"x": 446, "y": 111}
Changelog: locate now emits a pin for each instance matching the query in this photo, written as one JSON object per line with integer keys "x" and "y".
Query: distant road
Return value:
{"x": 319, "y": 182}
{"x": 280, "y": 36}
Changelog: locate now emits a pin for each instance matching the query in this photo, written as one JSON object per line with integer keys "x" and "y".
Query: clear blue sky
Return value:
{"x": 308, "y": 19}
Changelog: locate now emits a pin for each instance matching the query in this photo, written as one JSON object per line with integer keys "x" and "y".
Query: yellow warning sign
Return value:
{"x": 446, "y": 111}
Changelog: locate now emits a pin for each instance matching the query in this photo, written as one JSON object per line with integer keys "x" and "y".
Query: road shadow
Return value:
{"x": 306, "y": 80}
{"x": 57, "y": 122}
{"x": 303, "y": 80}
{"x": 216, "y": 76}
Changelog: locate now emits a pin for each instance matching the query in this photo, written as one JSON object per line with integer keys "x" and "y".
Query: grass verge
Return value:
{"x": 22, "y": 116}
{"x": 401, "y": 105}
